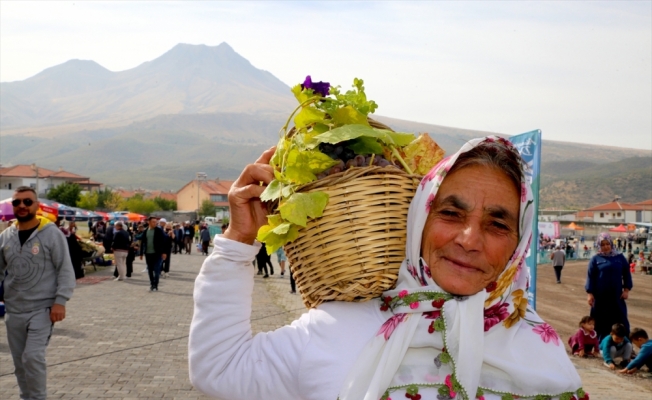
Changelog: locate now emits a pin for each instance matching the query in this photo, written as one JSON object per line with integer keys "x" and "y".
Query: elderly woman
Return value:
{"x": 457, "y": 326}
{"x": 608, "y": 283}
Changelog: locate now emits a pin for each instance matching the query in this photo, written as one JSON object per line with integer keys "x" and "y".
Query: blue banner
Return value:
{"x": 529, "y": 145}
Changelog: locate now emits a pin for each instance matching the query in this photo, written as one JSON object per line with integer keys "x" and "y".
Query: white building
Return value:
{"x": 619, "y": 213}
{"x": 41, "y": 179}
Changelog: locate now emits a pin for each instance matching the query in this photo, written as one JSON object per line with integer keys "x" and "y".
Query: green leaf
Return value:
{"x": 445, "y": 358}
{"x": 272, "y": 191}
{"x": 300, "y": 206}
{"x": 346, "y": 132}
{"x": 348, "y": 115}
{"x": 297, "y": 169}
{"x": 277, "y": 233}
{"x": 300, "y": 94}
{"x": 366, "y": 145}
{"x": 308, "y": 115}
{"x": 318, "y": 161}
{"x": 400, "y": 138}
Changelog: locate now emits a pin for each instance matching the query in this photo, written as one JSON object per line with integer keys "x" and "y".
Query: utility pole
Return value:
{"x": 200, "y": 177}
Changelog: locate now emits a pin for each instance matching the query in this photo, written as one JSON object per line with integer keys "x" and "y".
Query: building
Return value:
{"x": 190, "y": 196}
{"x": 41, "y": 179}
{"x": 616, "y": 212}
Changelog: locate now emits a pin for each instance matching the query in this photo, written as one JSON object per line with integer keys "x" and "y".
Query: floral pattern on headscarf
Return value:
{"x": 473, "y": 335}
{"x": 607, "y": 237}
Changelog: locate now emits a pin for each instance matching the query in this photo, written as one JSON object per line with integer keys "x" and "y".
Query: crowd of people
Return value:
{"x": 154, "y": 240}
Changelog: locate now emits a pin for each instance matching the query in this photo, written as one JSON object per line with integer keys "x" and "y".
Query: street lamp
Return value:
{"x": 201, "y": 176}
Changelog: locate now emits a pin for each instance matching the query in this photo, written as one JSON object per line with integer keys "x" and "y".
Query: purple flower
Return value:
{"x": 317, "y": 87}
{"x": 494, "y": 314}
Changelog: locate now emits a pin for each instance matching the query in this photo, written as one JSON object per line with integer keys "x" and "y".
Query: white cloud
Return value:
{"x": 580, "y": 71}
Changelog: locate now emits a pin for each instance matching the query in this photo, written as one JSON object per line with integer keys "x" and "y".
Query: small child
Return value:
{"x": 640, "y": 339}
{"x": 616, "y": 345}
{"x": 585, "y": 341}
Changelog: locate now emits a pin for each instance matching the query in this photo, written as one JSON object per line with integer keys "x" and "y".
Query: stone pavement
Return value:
{"x": 120, "y": 341}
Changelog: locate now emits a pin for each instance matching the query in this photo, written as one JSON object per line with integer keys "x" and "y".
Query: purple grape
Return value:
{"x": 339, "y": 150}
{"x": 334, "y": 170}
{"x": 359, "y": 160}
{"x": 351, "y": 163}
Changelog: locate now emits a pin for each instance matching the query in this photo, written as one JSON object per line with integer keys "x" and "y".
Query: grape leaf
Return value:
{"x": 400, "y": 138}
{"x": 297, "y": 169}
{"x": 300, "y": 206}
{"x": 272, "y": 191}
{"x": 366, "y": 145}
{"x": 422, "y": 154}
{"x": 276, "y": 233}
{"x": 317, "y": 161}
{"x": 348, "y": 115}
{"x": 307, "y": 116}
{"x": 300, "y": 94}
{"x": 346, "y": 132}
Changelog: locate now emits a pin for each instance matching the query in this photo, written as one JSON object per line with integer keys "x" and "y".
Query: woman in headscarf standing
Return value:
{"x": 608, "y": 283}
{"x": 457, "y": 326}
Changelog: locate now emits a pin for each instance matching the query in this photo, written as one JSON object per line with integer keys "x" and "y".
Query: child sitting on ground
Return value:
{"x": 616, "y": 345}
{"x": 640, "y": 339}
{"x": 585, "y": 341}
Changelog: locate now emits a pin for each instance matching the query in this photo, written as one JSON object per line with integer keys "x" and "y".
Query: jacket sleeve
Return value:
{"x": 591, "y": 276}
{"x": 627, "y": 274}
{"x": 604, "y": 347}
{"x": 225, "y": 360}
{"x": 63, "y": 266}
{"x": 643, "y": 357}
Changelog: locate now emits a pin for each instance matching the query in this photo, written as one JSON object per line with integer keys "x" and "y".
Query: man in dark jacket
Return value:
{"x": 188, "y": 235}
{"x": 153, "y": 247}
{"x": 107, "y": 241}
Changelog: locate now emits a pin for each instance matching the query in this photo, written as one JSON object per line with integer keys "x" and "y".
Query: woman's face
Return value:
{"x": 605, "y": 246}
{"x": 472, "y": 229}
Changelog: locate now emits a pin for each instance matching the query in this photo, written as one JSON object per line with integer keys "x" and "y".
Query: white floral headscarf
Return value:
{"x": 488, "y": 345}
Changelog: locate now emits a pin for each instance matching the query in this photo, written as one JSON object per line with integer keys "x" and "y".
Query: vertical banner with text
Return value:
{"x": 529, "y": 145}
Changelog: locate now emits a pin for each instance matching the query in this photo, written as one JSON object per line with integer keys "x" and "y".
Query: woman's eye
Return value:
{"x": 500, "y": 226}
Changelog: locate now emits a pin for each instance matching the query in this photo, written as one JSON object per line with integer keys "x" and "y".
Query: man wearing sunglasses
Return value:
{"x": 40, "y": 280}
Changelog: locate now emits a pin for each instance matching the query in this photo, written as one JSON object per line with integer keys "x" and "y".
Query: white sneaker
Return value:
{"x": 145, "y": 270}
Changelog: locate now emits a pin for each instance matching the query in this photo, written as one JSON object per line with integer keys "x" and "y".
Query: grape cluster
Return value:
{"x": 346, "y": 158}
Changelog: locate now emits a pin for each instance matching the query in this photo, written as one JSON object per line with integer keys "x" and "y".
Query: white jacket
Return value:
{"x": 306, "y": 360}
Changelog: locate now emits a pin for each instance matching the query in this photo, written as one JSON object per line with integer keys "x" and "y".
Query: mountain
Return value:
{"x": 188, "y": 79}
{"x": 573, "y": 184}
{"x": 202, "y": 108}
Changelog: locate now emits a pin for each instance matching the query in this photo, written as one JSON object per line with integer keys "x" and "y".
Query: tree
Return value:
{"x": 88, "y": 201}
{"x": 67, "y": 193}
{"x": 207, "y": 208}
{"x": 165, "y": 205}
{"x": 114, "y": 202}
{"x": 138, "y": 205}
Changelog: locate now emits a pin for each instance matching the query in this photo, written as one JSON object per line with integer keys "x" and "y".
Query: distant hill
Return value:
{"x": 188, "y": 79}
{"x": 573, "y": 184}
{"x": 206, "y": 109}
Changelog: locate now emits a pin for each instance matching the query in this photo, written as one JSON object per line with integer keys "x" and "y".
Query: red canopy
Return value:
{"x": 619, "y": 228}
{"x": 104, "y": 215}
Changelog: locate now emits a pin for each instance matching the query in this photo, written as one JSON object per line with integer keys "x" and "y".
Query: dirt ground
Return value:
{"x": 563, "y": 305}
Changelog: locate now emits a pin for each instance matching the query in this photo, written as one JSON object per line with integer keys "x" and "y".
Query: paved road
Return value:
{"x": 120, "y": 341}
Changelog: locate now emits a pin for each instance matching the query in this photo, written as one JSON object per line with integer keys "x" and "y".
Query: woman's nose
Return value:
{"x": 470, "y": 236}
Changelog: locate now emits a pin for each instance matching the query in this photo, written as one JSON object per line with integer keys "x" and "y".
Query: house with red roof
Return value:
{"x": 41, "y": 179}
{"x": 617, "y": 212}
{"x": 192, "y": 194}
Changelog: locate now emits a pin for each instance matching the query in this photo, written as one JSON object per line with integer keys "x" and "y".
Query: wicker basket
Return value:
{"x": 354, "y": 251}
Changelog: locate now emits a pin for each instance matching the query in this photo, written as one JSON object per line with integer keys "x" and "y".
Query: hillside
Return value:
{"x": 573, "y": 184}
{"x": 206, "y": 109}
{"x": 188, "y": 79}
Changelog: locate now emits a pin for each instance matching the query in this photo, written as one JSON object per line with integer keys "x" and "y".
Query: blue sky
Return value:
{"x": 580, "y": 71}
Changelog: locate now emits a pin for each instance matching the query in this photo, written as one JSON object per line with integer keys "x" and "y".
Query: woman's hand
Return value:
{"x": 625, "y": 294}
{"x": 248, "y": 213}
{"x": 612, "y": 366}
{"x": 582, "y": 353}
{"x": 590, "y": 299}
